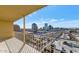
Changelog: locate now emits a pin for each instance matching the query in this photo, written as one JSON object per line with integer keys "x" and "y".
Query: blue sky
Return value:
{"x": 66, "y": 16}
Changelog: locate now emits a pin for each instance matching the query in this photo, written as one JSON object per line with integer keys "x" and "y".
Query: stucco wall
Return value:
{"x": 6, "y": 29}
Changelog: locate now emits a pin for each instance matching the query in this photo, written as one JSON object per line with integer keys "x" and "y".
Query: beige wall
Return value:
{"x": 6, "y": 29}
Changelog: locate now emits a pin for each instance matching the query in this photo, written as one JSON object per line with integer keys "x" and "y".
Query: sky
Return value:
{"x": 66, "y": 16}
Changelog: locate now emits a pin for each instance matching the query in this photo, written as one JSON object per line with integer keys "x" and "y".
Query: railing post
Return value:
{"x": 24, "y": 29}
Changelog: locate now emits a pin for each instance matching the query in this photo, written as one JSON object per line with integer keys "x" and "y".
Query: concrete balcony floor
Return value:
{"x": 13, "y": 45}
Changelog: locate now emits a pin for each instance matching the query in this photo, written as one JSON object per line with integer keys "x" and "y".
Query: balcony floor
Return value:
{"x": 13, "y": 45}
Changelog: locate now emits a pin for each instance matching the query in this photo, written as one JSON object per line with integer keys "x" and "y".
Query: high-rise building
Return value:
{"x": 16, "y": 27}
{"x": 50, "y": 27}
{"x": 46, "y": 26}
{"x": 34, "y": 27}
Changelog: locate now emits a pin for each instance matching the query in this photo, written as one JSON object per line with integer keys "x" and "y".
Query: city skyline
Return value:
{"x": 56, "y": 15}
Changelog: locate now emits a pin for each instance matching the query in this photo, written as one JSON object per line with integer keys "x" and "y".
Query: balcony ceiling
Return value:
{"x": 14, "y": 12}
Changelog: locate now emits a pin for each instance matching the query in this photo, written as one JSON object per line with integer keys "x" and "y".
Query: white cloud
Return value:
{"x": 62, "y": 19}
{"x": 53, "y": 20}
{"x": 69, "y": 23}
